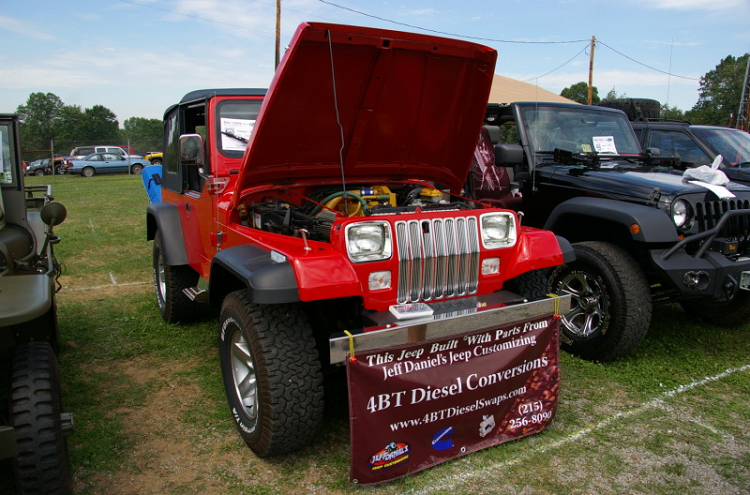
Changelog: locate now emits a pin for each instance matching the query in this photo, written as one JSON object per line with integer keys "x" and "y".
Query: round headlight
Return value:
{"x": 680, "y": 213}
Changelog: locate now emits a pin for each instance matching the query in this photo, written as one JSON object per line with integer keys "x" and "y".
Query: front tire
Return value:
{"x": 36, "y": 414}
{"x": 272, "y": 374}
{"x": 169, "y": 282}
{"x": 532, "y": 285}
{"x": 611, "y": 302}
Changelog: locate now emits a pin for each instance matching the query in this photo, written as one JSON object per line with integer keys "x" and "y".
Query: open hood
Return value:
{"x": 384, "y": 103}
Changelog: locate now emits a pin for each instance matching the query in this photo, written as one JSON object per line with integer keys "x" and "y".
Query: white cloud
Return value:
{"x": 706, "y": 5}
{"x": 23, "y": 28}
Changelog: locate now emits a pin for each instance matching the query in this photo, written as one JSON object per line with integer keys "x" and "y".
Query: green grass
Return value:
{"x": 150, "y": 406}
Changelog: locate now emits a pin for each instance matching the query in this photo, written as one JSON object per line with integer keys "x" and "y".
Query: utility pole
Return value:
{"x": 744, "y": 110}
{"x": 591, "y": 70}
{"x": 278, "y": 32}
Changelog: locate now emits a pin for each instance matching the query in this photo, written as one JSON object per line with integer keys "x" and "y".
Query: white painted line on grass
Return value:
{"x": 112, "y": 278}
{"x": 97, "y": 287}
{"x": 450, "y": 483}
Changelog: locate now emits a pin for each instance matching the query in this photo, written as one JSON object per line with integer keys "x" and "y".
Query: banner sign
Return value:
{"x": 416, "y": 405}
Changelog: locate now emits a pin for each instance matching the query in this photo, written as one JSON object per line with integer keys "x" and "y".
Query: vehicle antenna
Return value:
{"x": 338, "y": 121}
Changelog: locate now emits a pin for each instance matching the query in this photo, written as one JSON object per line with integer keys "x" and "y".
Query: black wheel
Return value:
{"x": 60, "y": 170}
{"x": 88, "y": 172}
{"x": 532, "y": 284}
{"x": 732, "y": 313}
{"x": 39, "y": 173}
{"x": 169, "y": 281}
{"x": 611, "y": 303}
{"x": 136, "y": 169}
{"x": 272, "y": 374}
{"x": 156, "y": 161}
{"x": 36, "y": 414}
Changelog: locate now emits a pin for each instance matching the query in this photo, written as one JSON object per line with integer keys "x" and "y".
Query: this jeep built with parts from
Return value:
{"x": 320, "y": 205}
{"x": 642, "y": 233}
{"x": 32, "y": 423}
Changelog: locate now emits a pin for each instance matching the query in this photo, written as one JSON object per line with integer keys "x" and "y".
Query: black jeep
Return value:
{"x": 32, "y": 424}
{"x": 642, "y": 234}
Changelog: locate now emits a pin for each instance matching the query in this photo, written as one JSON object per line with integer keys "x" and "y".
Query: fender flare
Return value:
{"x": 251, "y": 267}
{"x": 655, "y": 225}
{"x": 163, "y": 219}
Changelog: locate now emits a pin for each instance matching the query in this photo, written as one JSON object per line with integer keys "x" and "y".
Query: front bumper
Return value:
{"x": 454, "y": 317}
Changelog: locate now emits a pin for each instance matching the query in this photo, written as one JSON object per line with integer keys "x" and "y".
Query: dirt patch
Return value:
{"x": 78, "y": 291}
{"x": 167, "y": 455}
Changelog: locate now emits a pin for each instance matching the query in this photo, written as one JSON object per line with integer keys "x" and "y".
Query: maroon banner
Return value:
{"x": 416, "y": 405}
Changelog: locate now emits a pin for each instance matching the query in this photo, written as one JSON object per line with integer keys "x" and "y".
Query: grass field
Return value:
{"x": 151, "y": 417}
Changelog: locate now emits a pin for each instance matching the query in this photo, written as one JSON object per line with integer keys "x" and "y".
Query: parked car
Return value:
{"x": 37, "y": 167}
{"x": 81, "y": 152}
{"x": 154, "y": 157}
{"x": 696, "y": 145}
{"x": 106, "y": 163}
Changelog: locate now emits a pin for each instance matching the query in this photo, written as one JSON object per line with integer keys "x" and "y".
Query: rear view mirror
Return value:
{"x": 191, "y": 149}
{"x": 53, "y": 213}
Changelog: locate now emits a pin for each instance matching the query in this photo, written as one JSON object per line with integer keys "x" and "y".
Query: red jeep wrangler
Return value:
{"x": 327, "y": 204}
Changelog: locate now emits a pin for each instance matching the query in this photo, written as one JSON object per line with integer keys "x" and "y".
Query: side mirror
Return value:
{"x": 508, "y": 155}
{"x": 53, "y": 213}
{"x": 191, "y": 149}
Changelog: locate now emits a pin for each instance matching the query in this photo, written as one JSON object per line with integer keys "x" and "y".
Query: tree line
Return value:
{"x": 719, "y": 95}
{"x": 50, "y": 127}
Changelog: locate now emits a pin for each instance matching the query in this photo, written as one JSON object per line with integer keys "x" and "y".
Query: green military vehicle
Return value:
{"x": 33, "y": 425}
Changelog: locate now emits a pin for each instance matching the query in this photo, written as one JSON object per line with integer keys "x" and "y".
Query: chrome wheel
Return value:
{"x": 588, "y": 303}
{"x": 243, "y": 376}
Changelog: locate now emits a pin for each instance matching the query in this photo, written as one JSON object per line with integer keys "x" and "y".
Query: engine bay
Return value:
{"x": 316, "y": 212}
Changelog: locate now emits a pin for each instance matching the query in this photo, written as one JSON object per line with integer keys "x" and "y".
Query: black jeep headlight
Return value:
{"x": 368, "y": 241}
{"x": 499, "y": 230}
{"x": 681, "y": 213}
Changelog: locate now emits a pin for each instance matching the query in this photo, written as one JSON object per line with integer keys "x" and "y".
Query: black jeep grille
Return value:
{"x": 437, "y": 258}
{"x": 709, "y": 213}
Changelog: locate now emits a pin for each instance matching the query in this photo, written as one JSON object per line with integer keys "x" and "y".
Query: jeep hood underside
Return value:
{"x": 387, "y": 104}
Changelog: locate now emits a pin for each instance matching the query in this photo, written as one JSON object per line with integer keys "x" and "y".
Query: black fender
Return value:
{"x": 163, "y": 219}
{"x": 655, "y": 225}
{"x": 569, "y": 254}
{"x": 251, "y": 267}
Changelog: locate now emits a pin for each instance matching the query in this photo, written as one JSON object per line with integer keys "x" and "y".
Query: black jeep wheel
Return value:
{"x": 611, "y": 303}
{"x": 39, "y": 173}
{"x": 36, "y": 414}
{"x": 272, "y": 374}
{"x": 732, "y": 313}
{"x": 169, "y": 281}
{"x": 532, "y": 284}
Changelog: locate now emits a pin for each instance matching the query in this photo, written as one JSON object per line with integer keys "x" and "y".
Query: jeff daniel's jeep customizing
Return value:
{"x": 325, "y": 203}
{"x": 33, "y": 425}
{"x": 642, "y": 233}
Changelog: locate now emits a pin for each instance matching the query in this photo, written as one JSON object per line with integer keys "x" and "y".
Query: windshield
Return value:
{"x": 583, "y": 130}
{"x": 732, "y": 144}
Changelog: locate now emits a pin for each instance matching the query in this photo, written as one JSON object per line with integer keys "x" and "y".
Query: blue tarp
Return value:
{"x": 152, "y": 182}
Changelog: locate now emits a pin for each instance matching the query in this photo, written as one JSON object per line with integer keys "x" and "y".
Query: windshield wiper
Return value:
{"x": 232, "y": 135}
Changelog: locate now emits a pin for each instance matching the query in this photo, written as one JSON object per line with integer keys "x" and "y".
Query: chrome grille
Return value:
{"x": 437, "y": 258}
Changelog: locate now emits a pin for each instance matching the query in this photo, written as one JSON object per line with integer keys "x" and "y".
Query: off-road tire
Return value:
{"x": 611, "y": 302}
{"x": 35, "y": 406}
{"x": 169, "y": 281}
{"x": 533, "y": 284}
{"x": 732, "y": 313}
{"x": 272, "y": 374}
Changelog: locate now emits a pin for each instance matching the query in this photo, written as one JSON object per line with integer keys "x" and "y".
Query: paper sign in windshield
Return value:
{"x": 418, "y": 405}
{"x": 605, "y": 145}
{"x": 235, "y": 133}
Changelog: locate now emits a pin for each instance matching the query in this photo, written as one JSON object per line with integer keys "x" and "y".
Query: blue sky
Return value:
{"x": 137, "y": 57}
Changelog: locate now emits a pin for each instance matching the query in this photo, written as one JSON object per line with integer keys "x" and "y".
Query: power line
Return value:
{"x": 645, "y": 65}
{"x": 446, "y": 33}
